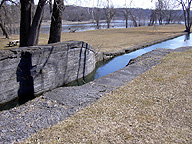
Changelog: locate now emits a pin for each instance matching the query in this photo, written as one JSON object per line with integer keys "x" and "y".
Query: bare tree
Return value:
{"x": 126, "y": 16}
{"x": 159, "y": 11}
{"x": 169, "y": 12}
{"x": 56, "y": 22}
{"x": 25, "y": 22}
{"x": 127, "y": 12}
{"x": 153, "y": 17}
{"x": 30, "y": 25}
{"x": 4, "y": 11}
{"x": 186, "y": 6}
{"x": 139, "y": 16}
{"x": 36, "y": 23}
{"x": 109, "y": 12}
{"x": 96, "y": 14}
{"x": 30, "y": 22}
{"x": 133, "y": 18}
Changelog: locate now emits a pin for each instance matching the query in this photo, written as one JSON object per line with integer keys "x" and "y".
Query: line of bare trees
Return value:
{"x": 110, "y": 12}
{"x": 165, "y": 11}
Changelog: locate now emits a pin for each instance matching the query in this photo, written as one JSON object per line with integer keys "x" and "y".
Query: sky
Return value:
{"x": 117, "y": 3}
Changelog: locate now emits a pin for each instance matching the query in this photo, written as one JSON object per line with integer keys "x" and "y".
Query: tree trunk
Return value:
{"x": 126, "y": 16}
{"x": 4, "y": 30}
{"x": 188, "y": 20}
{"x": 186, "y": 13}
{"x": 96, "y": 17}
{"x": 108, "y": 23}
{"x": 56, "y": 22}
{"x": 25, "y": 21}
{"x": 133, "y": 19}
{"x": 2, "y": 26}
{"x": 35, "y": 28}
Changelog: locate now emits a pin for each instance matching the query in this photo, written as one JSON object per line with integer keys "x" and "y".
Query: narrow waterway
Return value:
{"x": 107, "y": 67}
{"x": 121, "y": 61}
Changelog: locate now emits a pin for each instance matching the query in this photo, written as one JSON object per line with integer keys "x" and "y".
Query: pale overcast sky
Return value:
{"x": 116, "y": 3}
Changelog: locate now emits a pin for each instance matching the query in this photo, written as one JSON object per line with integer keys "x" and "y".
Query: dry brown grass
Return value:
{"x": 116, "y": 39}
{"x": 4, "y": 41}
{"x": 156, "y": 107}
{"x": 108, "y": 40}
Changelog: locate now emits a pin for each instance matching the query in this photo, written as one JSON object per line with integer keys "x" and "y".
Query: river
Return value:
{"x": 91, "y": 26}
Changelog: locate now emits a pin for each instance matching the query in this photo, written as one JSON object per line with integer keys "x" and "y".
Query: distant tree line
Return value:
{"x": 76, "y": 13}
{"x": 138, "y": 16}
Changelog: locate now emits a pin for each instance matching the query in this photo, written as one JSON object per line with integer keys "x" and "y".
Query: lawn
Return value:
{"x": 108, "y": 40}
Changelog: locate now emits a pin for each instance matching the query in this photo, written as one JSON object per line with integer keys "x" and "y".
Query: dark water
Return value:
{"x": 121, "y": 61}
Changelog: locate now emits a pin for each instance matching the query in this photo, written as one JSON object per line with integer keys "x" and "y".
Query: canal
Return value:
{"x": 106, "y": 67}
{"x": 121, "y": 61}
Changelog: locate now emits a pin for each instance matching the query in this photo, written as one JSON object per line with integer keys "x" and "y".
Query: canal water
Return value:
{"x": 106, "y": 67}
{"x": 121, "y": 61}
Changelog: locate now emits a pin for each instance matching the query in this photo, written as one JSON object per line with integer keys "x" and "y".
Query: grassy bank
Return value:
{"x": 108, "y": 40}
{"x": 156, "y": 107}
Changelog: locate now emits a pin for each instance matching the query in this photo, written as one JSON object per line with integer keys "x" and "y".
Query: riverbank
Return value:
{"x": 155, "y": 107}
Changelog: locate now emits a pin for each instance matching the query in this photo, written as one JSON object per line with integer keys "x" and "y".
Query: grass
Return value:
{"x": 4, "y": 41}
{"x": 146, "y": 110}
{"x": 108, "y": 40}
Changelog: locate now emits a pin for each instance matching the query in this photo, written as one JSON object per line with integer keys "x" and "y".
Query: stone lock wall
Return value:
{"x": 34, "y": 70}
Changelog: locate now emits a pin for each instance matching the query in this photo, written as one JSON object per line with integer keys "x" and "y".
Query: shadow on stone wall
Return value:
{"x": 79, "y": 81}
{"x": 29, "y": 72}
{"x": 26, "y": 84}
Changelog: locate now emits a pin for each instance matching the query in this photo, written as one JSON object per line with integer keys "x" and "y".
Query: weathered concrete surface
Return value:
{"x": 54, "y": 106}
{"x": 34, "y": 70}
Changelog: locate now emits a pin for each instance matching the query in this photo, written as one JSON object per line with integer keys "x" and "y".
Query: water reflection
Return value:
{"x": 187, "y": 37}
{"x": 121, "y": 61}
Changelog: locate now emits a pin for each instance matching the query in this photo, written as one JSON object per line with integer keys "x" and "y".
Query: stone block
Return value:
{"x": 46, "y": 67}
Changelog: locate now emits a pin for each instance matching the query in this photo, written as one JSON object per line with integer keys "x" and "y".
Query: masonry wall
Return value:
{"x": 29, "y": 71}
